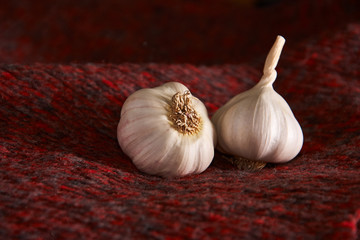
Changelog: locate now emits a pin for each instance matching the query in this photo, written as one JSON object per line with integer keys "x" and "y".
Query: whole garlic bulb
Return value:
{"x": 258, "y": 124}
{"x": 166, "y": 131}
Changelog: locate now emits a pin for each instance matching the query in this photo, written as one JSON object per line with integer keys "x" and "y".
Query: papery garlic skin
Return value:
{"x": 148, "y": 135}
{"x": 258, "y": 124}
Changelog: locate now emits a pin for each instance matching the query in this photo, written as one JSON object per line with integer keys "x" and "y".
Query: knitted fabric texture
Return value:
{"x": 64, "y": 176}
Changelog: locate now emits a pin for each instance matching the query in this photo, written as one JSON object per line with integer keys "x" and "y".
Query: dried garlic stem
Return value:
{"x": 272, "y": 59}
{"x": 182, "y": 114}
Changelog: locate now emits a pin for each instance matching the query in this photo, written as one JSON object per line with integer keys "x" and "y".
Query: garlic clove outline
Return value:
{"x": 258, "y": 124}
{"x": 166, "y": 131}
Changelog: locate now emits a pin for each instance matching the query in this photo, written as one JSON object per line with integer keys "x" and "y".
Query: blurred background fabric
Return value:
{"x": 179, "y": 31}
{"x": 66, "y": 68}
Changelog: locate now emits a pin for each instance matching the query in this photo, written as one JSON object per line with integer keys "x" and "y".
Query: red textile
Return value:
{"x": 63, "y": 175}
{"x": 181, "y": 31}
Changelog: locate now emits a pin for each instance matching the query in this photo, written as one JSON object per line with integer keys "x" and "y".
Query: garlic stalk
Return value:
{"x": 258, "y": 124}
{"x": 166, "y": 131}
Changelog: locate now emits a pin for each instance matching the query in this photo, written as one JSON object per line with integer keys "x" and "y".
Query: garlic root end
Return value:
{"x": 246, "y": 164}
{"x": 183, "y": 115}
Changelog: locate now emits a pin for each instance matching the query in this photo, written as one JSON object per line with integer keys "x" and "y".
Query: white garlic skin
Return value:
{"x": 256, "y": 128}
{"x": 258, "y": 124}
{"x": 147, "y": 136}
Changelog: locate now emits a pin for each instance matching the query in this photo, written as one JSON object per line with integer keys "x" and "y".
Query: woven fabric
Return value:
{"x": 180, "y": 31}
{"x": 63, "y": 175}
{"x": 66, "y": 68}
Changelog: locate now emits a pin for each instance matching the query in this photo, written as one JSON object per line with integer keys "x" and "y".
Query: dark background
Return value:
{"x": 178, "y": 31}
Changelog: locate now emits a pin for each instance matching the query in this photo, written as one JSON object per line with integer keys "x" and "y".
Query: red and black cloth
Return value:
{"x": 63, "y": 175}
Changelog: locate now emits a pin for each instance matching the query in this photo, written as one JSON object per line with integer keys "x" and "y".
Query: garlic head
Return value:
{"x": 166, "y": 131}
{"x": 258, "y": 124}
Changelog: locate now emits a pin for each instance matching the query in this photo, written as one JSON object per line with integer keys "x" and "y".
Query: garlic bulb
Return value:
{"x": 166, "y": 131}
{"x": 258, "y": 124}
